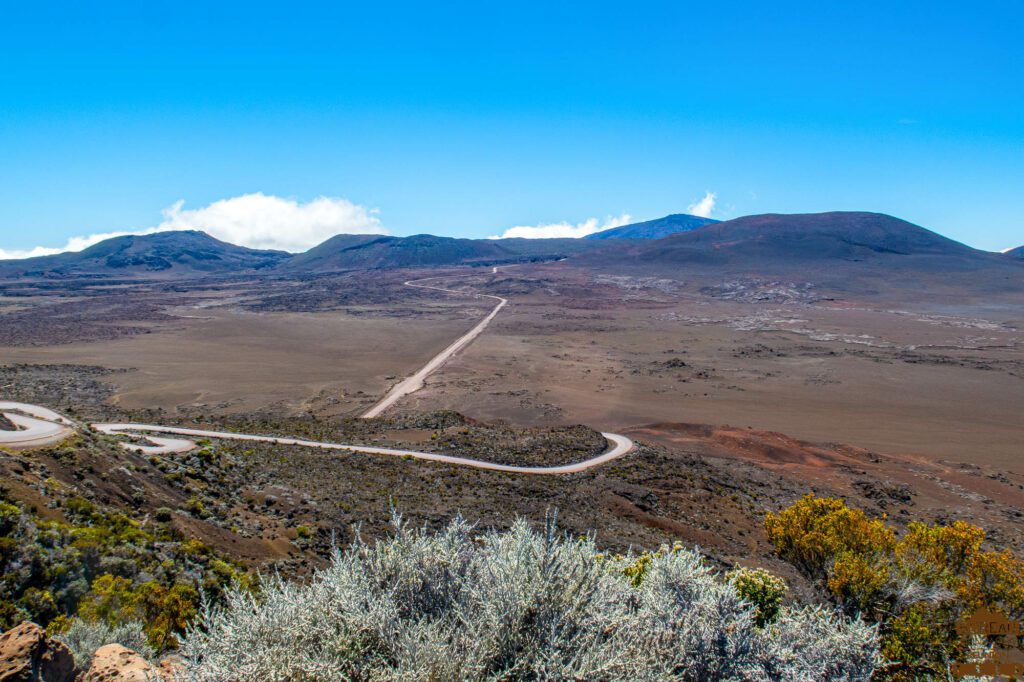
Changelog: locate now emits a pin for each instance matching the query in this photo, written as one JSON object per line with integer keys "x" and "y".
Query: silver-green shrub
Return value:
{"x": 514, "y": 605}
{"x": 85, "y": 638}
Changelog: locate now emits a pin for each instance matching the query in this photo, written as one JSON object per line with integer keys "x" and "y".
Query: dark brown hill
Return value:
{"x": 361, "y": 252}
{"x": 834, "y": 236}
{"x": 841, "y": 251}
{"x": 171, "y": 254}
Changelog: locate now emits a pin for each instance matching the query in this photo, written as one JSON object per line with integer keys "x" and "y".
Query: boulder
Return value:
{"x": 28, "y": 654}
{"x": 115, "y": 663}
{"x": 19, "y": 648}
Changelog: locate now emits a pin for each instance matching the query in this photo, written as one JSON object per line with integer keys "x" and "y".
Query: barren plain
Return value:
{"x": 743, "y": 395}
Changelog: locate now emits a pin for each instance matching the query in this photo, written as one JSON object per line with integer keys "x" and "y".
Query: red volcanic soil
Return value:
{"x": 910, "y": 487}
{"x": 767, "y": 448}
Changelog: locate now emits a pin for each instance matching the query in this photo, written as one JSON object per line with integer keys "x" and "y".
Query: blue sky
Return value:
{"x": 468, "y": 119}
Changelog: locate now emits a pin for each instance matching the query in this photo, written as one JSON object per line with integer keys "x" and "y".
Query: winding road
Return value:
{"x": 48, "y": 427}
{"x": 39, "y": 426}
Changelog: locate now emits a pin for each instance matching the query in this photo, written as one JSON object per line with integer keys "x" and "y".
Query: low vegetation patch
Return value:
{"x": 104, "y": 569}
{"x": 519, "y": 605}
{"x": 916, "y": 587}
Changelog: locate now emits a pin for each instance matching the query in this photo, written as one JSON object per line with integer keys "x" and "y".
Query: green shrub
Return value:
{"x": 195, "y": 507}
{"x": 762, "y": 589}
{"x": 105, "y": 567}
{"x": 164, "y": 611}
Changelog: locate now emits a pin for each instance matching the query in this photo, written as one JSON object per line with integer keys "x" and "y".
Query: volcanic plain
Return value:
{"x": 743, "y": 393}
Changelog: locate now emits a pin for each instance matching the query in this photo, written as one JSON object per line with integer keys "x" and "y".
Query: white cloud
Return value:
{"x": 563, "y": 229}
{"x": 259, "y": 221}
{"x": 262, "y": 221}
{"x": 73, "y": 244}
{"x": 704, "y": 207}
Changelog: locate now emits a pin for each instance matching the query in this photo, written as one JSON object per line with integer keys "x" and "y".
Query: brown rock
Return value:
{"x": 115, "y": 663}
{"x": 19, "y": 648}
{"x": 27, "y": 654}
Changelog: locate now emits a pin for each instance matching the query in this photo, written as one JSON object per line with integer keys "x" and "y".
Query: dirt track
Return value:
{"x": 415, "y": 382}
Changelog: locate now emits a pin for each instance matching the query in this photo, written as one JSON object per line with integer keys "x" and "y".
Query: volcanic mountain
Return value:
{"x": 772, "y": 239}
{"x": 1015, "y": 253}
{"x": 175, "y": 253}
{"x": 655, "y": 229}
{"x": 360, "y": 252}
{"x": 842, "y": 251}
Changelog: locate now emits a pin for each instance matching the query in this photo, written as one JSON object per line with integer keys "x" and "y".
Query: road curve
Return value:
{"x": 50, "y": 423}
{"x": 415, "y": 382}
{"x": 618, "y": 446}
{"x": 44, "y": 427}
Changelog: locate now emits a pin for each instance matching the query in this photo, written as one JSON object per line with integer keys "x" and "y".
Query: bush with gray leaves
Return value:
{"x": 515, "y": 605}
{"x": 84, "y": 638}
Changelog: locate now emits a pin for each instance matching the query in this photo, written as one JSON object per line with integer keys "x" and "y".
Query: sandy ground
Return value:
{"x": 237, "y": 361}
{"x": 948, "y": 386}
{"x": 606, "y": 351}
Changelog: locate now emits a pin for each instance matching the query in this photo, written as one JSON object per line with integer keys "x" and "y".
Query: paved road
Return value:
{"x": 44, "y": 427}
{"x": 49, "y": 424}
{"x": 415, "y": 382}
{"x": 618, "y": 446}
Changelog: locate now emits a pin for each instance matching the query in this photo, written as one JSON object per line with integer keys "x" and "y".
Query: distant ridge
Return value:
{"x": 189, "y": 253}
{"x": 801, "y": 237}
{"x": 349, "y": 252}
{"x": 654, "y": 229}
{"x": 359, "y": 252}
{"x": 172, "y": 253}
{"x": 836, "y": 247}
{"x": 841, "y": 252}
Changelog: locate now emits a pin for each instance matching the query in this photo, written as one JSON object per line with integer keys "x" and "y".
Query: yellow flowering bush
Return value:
{"x": 164, "y": 611}
{"x": 760, "y": 588}
{"x": 636, "y": 570}
{"x": 815, "y": 530}
{"x": 916, "y": 587}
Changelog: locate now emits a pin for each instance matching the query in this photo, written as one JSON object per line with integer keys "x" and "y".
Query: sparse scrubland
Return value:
{"x": 100, "y": 546}
{"x": 517, "y": 604}
{"x": 523, "y": 604}
{"x": 225, "y": 557}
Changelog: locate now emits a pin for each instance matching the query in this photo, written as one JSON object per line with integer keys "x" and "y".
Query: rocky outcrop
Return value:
{"x": 28, "y": 654}
{"x": 115, "y": 663}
